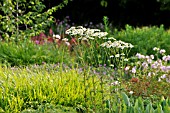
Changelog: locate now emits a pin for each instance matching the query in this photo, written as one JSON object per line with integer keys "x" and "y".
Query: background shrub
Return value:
{"x": 145, "y": 39}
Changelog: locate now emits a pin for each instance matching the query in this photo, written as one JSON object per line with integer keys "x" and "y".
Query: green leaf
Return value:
{"x": 1, "y": 110}
{"x": 140, "y": 103}
{"x": 167, "y": 109}
{"x": 125, "y": 98}
{"x": 149, "y": 108}
{"x": 159, "y": 109}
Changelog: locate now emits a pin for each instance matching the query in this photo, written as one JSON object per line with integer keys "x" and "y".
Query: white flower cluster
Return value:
{"x": 161, "y": 51}
{"x": 118, "y": 44}
{"x": 85, "y": 33}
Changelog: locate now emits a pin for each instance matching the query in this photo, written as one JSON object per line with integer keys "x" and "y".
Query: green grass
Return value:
{"x": 24, "y": 88}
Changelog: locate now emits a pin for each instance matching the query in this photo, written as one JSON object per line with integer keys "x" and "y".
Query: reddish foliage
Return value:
{"x": 135, "y": 80}
{"x": 51, "y": 32}
{"x": 42, "y": 38}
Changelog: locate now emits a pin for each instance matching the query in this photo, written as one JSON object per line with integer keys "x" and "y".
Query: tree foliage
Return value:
{"x": 21, "y": 19}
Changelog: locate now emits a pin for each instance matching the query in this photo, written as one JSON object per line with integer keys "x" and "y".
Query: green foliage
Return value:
{"x": 145, "y": 39}
{"x": 22, "y": 19}
{"x": 103, "y": 3}
{"x": 97, "y": 48}
{"x": 26, "y": 53}
{"x": 50, "y": 88}
{"x": 33, "y": 86}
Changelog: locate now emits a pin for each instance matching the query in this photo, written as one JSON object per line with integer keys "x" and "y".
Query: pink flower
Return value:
{"x": 145, "y": 64}
{"x": 163, "y": 76}
{"x": 162, "y": 51}
{"x": 140, "y": 56}
{"x": 134, "y": 70}
{"x": 163, "y": 68}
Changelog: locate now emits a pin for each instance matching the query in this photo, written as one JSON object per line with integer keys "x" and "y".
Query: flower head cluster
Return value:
{"x": 161, "y": 51}
{"x": 85, "y": 32}
{"x": 118, "y": 44}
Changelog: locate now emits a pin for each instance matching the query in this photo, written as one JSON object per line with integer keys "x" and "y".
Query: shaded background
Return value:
{"x": 119, "y": 12}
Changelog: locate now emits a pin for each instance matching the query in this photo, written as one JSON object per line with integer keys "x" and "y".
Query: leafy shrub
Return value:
{"x": 23, "y": 19}
{"x": 27, "y": 53}
{"x": 145, "y": 38}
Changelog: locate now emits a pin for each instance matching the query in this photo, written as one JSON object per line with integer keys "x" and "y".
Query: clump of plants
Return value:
{"x": 150, "y": 75}
{"x": 144, "y": 38}
{"x": 95, "y": 47}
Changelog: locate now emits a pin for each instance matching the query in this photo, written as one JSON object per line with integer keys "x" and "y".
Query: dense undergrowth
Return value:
{"x": 80, "y": 69}
{"x": 87, "y": 70}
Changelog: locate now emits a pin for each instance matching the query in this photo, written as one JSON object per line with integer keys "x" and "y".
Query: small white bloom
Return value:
{"x": 65, "y": 39}
{"x": 126, "y": 59}
{"x": 149, "y": 74}
{"x": 122, "y": 54}
{"x": 127, "y": 68}
{"x": 131, "y": 46}
{"x": 152, "y": 57}
{"x": 111, "y": 38}
{"x": 131, "y": 92}
{"x": 115, "y": 83}
{"x": 91, "y": 38}
{"x": 79, "y": 27}
{"x": 103, "y": 44}
{"x": 156, "y": 49}
{"x": 117, "y": 55}
{"x": 108, "y": 45}
{"x": 58, "y": 36}
{"x": 111, "y": 56}
{"x": 67, "y": 43}
{"x": 162, "y": 51}
{"x": 147, "y": 57}
{"x": 111, "y": 65}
